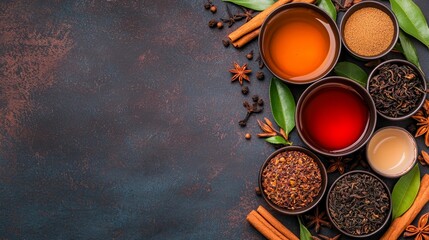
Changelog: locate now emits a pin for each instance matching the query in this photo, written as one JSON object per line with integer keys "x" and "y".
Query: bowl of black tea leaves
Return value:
{"x": 398, "y": 89}
{"x": 359, "y": 204}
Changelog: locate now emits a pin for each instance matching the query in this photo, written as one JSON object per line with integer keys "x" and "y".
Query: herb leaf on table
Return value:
{"x": 405, "y": 191}
{"x": 328, "y": 7}
{"x": 282, "y": 105}
{"x": 352, "y": 71}
{"x": 258, "y": 5}
{"x": 411, "y": 19}
{"x": 408, "y": 49}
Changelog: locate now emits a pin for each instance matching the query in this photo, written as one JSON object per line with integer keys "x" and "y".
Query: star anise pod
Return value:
{"x": 423, "y": 121}
{"x": 421, "y": 231}
{"x": 231, "y": 18}
{"x": 423, "y": 158}
{"x": 338, "y": 164}
{"x": 317, "y": 220}
{"x": 240, "y": 73}
{"x": 247, "y": 13}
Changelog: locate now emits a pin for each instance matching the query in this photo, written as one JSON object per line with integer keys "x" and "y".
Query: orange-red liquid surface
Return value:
{"x": 300, "y": 45}
{"x": 334, "y": 118}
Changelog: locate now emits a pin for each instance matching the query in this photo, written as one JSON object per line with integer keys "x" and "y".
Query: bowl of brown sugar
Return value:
{"x": 369, "y": 30}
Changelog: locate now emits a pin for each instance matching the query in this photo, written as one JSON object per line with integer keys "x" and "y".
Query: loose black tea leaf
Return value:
{"x": 396, "y": 89}
{"x": 359, "y": 203}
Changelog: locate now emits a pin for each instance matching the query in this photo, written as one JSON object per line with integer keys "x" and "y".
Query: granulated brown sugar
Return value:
{"x": 368, "y": 32}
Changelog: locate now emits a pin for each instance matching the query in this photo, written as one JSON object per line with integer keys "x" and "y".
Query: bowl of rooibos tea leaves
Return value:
{"x": 299, "y": 43}
{"x": 398, "y": 89}
{"x": 335, "y": 116}
{"x": 359, "y": 204}
{"x": 292, "y": 180}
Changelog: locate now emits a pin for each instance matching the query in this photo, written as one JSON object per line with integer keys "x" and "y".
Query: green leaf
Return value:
{"x": 329, "y": 8}
{"x": 258, "y": 5}
{"x": 304, "y": 234}
{"x": 405, "y": 191}
{"x": 408, "y": 49}
{"x": 411, "y": 19}
{"x": 282, "y": 105}
{"x": 398, "y": 47}
{"x": 352, "y": 71}
{"x": 277, "y": 140}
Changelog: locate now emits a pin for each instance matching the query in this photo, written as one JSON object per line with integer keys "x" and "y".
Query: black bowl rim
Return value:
{"x": 413, "y": 139}
{"x": 388, "y": 193}
{"x": 421, "y": 75}
{"x": 322, "y": 171}
{"x": 327, "y": 80}
{"x": 301, "y": 5}
{"x": 384, "y": 8}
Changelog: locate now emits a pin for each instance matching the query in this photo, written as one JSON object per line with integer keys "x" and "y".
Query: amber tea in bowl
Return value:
{"x": 299, "y": 43}
{"x": 335, "y": 116}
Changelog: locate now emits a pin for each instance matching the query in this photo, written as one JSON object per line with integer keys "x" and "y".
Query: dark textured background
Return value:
{"x": 118, "y": 121}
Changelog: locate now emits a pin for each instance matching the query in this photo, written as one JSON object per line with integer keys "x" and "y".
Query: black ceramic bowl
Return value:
{"x": 307, "y": 98}
{"x": 419, "y": 75}
{"x": 309, "y": 30}
{"x": 316, "y": 199}
{"x": 353, "y": 200}
{"x": 369, "y": 4}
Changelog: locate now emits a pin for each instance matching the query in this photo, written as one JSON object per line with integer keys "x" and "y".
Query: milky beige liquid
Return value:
{"x": 391, "y": 151}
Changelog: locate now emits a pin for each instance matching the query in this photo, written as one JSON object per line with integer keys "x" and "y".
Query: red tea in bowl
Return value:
{"x": 334, "y": 117}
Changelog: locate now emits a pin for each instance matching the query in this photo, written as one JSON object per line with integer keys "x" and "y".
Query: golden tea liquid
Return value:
{"x": 299, "y": 44}
{"x": 391, "y": 151}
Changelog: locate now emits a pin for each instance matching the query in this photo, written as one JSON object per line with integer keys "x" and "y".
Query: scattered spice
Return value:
{"x": 269, "y": 130}
{"x": 373, "y": 63}
{"x": 260, "y": 102}
{"x": 255, "y": 98}
{"x": 423, "y": 158}
{"x": 225, "y": 42}
{"x": 240, "y": 73}
{"x": 421, "y": 231}
{"x": 318, "y": 219}
{"x": 219, "y": 25}
{"x": 258, "y": 191}
{"x": 260, "y": 62}
{"x": 250, "y": 110}
{"x": 396, "y": 89}
{"x": 250, "y": 55}
{"x": 212, "y": 23}
{"x": 245, "y": 90}
{"x": 291, "y": 180}
{"x": 260, "y": 75}
{"x": 248, "y": 136}
{"x": 213, "y": 9}
{"x": 208, "y": 4}
{"x": 338, "y": 164}
{"x": 358, "y": 203}
{"x": 231, "y": 17}
{"x": 323, "y": 237}
{"x": 343, "y": 5}
{"x": 247, "y": 14}
{"x": 368, "y": 32}
{"x": 422, "y": 117}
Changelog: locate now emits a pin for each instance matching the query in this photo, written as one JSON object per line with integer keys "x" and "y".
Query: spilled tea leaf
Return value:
{"x": 411, "y": 19}
{"x": 258, "y": 5}
{"x": 277, "y": 140}
{"x": 352, "y": 71}
{"x": 328, "y": 7}
{"x": 304, "y": 234}
{"x": 405, "y": 191}
{"x": 282, "y": 105}
{"x": 408, "y": 49}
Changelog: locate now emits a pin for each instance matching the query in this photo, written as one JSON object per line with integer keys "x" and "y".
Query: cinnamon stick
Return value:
{"x": 246, "y": 38}
{"x": 264, "y": 227}
{"x": 276, "y": 223}
{"x": 399, "y": 224}
{"x": 246, "y": 32}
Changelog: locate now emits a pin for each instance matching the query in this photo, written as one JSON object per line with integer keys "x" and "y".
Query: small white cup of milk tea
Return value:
{"x": 391, "y": 151}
